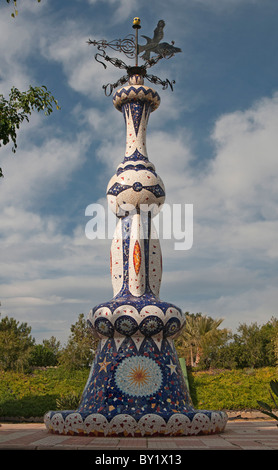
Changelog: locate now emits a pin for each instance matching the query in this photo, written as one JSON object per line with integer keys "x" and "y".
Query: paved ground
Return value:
{"x": 238, "y": 435}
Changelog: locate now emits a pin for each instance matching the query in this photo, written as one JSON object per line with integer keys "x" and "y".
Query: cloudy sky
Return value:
{"x": 213, "y": 140}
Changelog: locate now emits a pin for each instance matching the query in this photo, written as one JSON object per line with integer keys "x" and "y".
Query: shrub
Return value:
{"x": 70, "y": 401}
{"x": 267, "y": 409}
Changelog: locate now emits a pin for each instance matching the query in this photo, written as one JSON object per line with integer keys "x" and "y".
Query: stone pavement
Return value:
{"x": 238, "y": 435}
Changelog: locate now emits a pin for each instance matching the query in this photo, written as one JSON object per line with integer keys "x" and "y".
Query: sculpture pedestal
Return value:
{"x": 136, "y": 390}
{"x": 136, "y": 386}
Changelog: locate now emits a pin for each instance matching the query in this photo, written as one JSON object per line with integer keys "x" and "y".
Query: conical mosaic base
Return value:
{"x": 136, "y": 390}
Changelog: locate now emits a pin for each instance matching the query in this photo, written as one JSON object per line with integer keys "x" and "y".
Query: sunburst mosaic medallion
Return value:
{"x": 138, "y": 376}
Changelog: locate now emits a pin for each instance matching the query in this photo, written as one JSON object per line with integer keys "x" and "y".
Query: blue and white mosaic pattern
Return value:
{"x": 136, "y": 386}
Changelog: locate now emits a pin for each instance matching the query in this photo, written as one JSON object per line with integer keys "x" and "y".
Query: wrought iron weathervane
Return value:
{"x": 130, "y": 47}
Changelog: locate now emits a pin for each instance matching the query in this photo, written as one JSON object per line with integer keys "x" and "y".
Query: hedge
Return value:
{"x": 32, "y": 395}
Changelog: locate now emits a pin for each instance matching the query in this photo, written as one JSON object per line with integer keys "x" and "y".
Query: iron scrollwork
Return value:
{"x": 130, "y": 47}
{"x": 126, "y": 45}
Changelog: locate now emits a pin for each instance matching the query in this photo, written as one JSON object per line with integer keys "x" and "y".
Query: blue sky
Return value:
{"x": 213, "y": 141}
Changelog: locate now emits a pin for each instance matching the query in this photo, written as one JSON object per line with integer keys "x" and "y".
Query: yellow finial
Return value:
{"x": 136, "y": 23}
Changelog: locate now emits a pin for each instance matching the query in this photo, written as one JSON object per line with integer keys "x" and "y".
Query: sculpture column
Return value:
{"x": 136, "y": 386}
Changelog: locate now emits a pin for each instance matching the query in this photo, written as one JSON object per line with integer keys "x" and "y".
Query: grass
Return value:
{"x": 32, "y": 395}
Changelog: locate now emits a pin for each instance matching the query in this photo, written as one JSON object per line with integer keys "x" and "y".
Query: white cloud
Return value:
{"x": 35, "y": 171}
{"x": 231, "y": 269}
{"x": 228, "y": 271}
{"x": 68, "y": 48}
{"x": 13, "y": 69}
{"x": 224, "y": 4}
{"x": 245, "y": 168}
{"x": 123, "y": 10}
{"x": 48, "y": 277}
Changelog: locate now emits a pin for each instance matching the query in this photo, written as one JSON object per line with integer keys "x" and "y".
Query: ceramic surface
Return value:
{"x": 136, "y": 386}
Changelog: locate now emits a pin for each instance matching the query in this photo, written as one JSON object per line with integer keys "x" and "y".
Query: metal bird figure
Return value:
{"x": 130, "y": 47}
{"x": 154, "y": 45}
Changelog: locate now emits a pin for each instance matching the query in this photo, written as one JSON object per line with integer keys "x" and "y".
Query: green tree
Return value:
{"x": 53, "y": 345}
{"x": 256, "y": 345}
{"x": 80, "y": 347}
{"x": 41, "y": 356}
{"x": 213, "y": 342}
{"x": 225, "y": 356}
{"x": 249, "y": 342}
{"x": 16, "y": 344}
{"x": 46, "y": 354}
{"x": 18, "y": 108}
{"x": 269, "y": 334}
{"x": 199, "y": 336}
{"x": 252, "y": 346}
{"x": 20, "y": 105}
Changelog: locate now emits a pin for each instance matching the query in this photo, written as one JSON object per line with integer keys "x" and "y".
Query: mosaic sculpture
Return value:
{"x": 136, "y": 386}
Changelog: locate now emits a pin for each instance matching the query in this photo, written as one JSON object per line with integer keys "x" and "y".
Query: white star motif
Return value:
{"x": 172, "y": 367}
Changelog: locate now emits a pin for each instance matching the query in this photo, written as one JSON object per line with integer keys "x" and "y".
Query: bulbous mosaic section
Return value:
{"x": 136, "y": 185}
